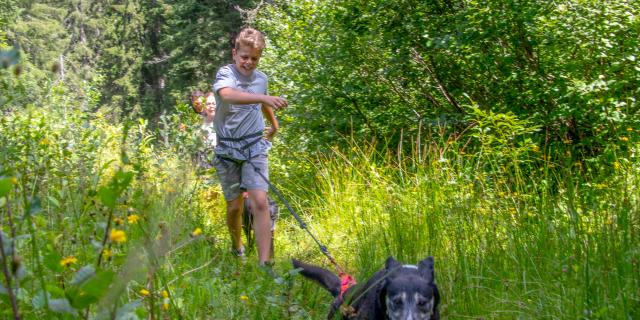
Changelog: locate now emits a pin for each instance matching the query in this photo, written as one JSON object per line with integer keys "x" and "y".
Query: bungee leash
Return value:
{"x": 301, "y": 222}
{"x": 346, "y": 280}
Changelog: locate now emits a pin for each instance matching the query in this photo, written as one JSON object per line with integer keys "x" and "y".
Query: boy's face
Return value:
{"x": 246, "y": 59}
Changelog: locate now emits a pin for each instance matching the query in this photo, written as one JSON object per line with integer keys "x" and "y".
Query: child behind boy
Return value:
{"x": 205, "y": 105}
{"x": 241, "y": 95}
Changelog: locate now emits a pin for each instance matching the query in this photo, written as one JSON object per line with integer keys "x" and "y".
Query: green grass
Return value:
{"x": 556, "y": 242}
{"x": 513, "y": 236}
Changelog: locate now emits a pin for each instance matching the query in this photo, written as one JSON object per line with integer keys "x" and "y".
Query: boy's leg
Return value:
{"x": 229, "y": 174}
{"x": 254, "y": 173}
{"x": 261, "y": 224}
{"x": 234, "y": 221}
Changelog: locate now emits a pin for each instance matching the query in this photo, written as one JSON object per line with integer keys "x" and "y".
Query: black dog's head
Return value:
{"x": 409, "y": 292}
{"x": 397, "y": 292}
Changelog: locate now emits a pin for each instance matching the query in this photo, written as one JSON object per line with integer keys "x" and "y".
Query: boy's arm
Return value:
{"x": 271, "y": 117}
{"x": 234, "y": 96}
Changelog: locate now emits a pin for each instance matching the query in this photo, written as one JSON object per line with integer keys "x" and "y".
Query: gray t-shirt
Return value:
{"x": 239, "y": 120}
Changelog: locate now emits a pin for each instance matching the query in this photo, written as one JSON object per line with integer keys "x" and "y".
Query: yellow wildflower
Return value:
{"x": 164, "y": 294}
{"x": 118, "y": 236}
{"x": 244, "y": 298}
{"x": 144, "y": 292}
{"x": 14, "y": 180}
{"x": 165, "y": 306}
{"x": 68, "y": 261}
{"x": 196, "y": 232}
{"x": 535, "y": 148}
{"x": 616, "y": 165}
{"x": 629, "y": 129}
{"x": 623, "y": 138}
{"x": 107, "y": 253}
{"x": 44, "y": 141}
{"x": 133, "y": 219}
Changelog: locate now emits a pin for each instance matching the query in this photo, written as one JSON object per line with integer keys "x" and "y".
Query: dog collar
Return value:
{"x": 346, "y": 282}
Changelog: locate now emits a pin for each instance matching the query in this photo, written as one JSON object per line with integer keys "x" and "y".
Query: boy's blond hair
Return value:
{"x": 250, "y": 37}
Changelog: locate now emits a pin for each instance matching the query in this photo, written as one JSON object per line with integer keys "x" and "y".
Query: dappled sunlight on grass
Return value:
{"x": 507, "y": 242}
{"x": 142, "y": 230}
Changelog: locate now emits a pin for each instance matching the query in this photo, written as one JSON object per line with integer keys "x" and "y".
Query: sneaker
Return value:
{"x": 239, "y": 253}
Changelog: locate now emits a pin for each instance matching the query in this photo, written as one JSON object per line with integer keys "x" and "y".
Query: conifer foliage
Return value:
{"x": 141, "y": 56}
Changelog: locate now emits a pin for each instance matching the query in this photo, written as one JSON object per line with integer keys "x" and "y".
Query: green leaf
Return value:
{"x": 38, "y": 300}
{"x": 122, "y": 179}
{"x": 5, "y": 186}
{"x": 62, "y": 306}
{"x": 92, "y": 289}
{"x": 84, "y": 274}
{"x": 127, "y": 312}
{"x": 78, "y": 298}
{"x": 108, "y": 196}
{"x": 54, "y": 290}
{"x": 52, "y": 261}
{"x": 99, "y": 284}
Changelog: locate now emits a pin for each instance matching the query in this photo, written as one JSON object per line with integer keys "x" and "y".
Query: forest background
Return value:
{"x": 501, "y": 137}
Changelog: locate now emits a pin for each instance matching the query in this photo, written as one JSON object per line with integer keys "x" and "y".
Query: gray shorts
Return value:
{"x": 236, "y": 177}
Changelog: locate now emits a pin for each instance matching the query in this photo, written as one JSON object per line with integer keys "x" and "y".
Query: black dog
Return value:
{"x": 397, "y": 292}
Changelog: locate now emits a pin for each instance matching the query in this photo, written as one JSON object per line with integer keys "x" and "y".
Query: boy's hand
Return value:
{"x": 270, "y": 132}
{"x": 276, "y": 103}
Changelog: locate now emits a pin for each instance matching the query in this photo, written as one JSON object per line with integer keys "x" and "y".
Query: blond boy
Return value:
{"x": 242, "y": 100}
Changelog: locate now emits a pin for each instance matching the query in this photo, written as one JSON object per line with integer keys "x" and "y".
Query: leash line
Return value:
{"x": 245, "y": 150}
{"x": 301, "y": 222}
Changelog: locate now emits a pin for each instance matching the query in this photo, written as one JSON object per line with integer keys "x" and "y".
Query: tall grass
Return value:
{"x": 515, "y": 232}
{"x": 512, "y": 237}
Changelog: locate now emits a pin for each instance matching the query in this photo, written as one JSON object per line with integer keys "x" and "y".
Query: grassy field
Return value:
{"x": 104, "y": 222}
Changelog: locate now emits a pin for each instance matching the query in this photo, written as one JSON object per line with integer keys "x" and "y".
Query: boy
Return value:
{"x": 241, "y": 95}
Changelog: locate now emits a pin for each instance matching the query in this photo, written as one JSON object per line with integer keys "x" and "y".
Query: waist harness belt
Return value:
{"x": 246, "y": 139}
{"x": 244, "y": 149}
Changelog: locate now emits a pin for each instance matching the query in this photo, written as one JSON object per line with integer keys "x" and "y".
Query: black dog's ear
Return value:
{"x": 425, "y": 269}
{"x": 391, "y": 264}
{"x": 324, "y": 277}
